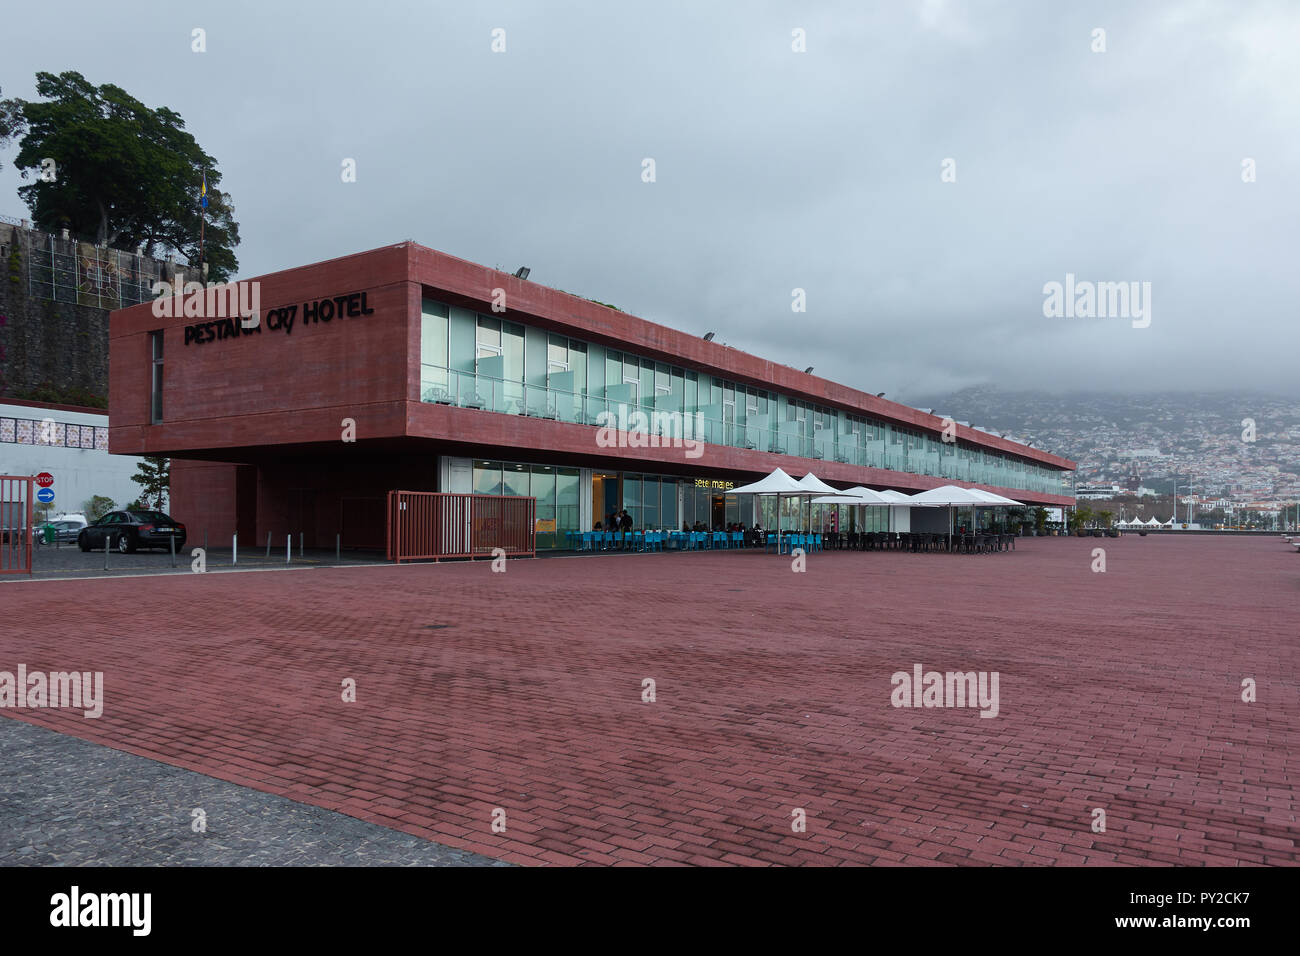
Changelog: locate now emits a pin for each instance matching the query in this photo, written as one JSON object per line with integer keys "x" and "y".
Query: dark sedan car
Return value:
{"x": 127, "y": 531}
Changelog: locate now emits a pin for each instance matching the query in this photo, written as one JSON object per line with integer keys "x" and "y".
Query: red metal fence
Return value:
{"x": 17, "y": 493}
{"x": 428, "y": 524}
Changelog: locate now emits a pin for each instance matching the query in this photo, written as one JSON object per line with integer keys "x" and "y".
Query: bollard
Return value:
{"x": 300, "y": 537}
{"x": 268, "y": 546}
{"x": 338, "y": 547}
{"x": 106, "y": 537}
{"x": 288, "y": 548}
{"x": 172, "y": 539}
{"x": 205, "y": 540}
{"x": 234, "y": 548}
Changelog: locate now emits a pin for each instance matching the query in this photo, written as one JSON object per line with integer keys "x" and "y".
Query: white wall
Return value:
{"x": 79, "y": 473}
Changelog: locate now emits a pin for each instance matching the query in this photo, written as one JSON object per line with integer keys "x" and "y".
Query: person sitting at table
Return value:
{"x": 625, "y": 523}
{"x": 598, "y": 527}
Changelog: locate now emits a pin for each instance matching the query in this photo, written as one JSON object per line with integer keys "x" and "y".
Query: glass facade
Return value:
{"x": 481, "y": 361}
{"x": 556, "y": 490}
{"x": 651, "y": 500}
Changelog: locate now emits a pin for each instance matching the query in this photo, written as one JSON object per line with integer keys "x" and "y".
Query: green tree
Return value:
{"x": 125, "y": 175}
{"x": 154, "y": 476}
{"x": 96, "y": 507}
{"x": 1080, "y": 518}
{"x": 11, "y": 120}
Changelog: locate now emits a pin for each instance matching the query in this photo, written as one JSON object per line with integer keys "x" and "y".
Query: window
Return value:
{"x": 516, "y": 480}
{"x": 156, "y": 378}
{"x": 567, "y": 504}
{"x": 557, "y": 354}
{"x": 487, "y": 477}
{"x": 489, "y": 336}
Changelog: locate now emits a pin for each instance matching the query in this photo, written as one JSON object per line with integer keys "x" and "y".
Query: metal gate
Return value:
{"x": 16, "y": 498}
{"x": 431, "y": 525}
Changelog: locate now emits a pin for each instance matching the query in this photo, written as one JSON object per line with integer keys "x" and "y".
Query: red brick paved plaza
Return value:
{"x": 1119, "y": 691}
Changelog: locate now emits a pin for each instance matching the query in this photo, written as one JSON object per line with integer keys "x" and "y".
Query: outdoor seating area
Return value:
{"x": 914, "y": 542}
{"x": 812, "y": 491}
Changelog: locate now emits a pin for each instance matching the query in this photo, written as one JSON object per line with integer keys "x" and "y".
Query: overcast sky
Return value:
{"x": 774, "y": 169}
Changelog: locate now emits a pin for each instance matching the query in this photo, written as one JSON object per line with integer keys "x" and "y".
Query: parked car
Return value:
{"x": 128, "y": 531}
{"x": 66, "y": 529}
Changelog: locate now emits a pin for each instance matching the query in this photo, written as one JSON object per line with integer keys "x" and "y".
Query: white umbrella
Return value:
{"x": 777, "y": 483}
{"x": 897, "y": 497}
{"x": 949, "y": 496}
{"x": 814, "y": 487}
{"x": 859, "y": 496}
{"x": 995, "y": 499}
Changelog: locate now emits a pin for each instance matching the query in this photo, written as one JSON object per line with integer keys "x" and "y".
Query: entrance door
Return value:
{"x": 718, "y": 517}
{"x": 606, "y": 498}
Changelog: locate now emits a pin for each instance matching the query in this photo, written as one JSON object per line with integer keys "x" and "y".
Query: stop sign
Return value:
{"x": 45, "y": 479}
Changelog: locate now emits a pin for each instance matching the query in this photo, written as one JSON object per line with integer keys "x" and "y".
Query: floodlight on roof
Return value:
{"x": 880, "y": 394}
{"x": 522, "y": 272}
{"x": 708, "y": 336}
{"x": 808, "y": 370}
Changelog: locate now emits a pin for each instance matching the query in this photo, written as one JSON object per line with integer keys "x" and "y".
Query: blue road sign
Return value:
{"x": 46, "y": 495}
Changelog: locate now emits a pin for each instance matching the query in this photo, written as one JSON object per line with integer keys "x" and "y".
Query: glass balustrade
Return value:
{"x": 619, "y": 407}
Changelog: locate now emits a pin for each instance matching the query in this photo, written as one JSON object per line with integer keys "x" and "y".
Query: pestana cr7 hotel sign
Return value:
{"x": 234, "y": 309}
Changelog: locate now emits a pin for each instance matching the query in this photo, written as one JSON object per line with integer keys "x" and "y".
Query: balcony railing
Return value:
{"x": 468, "y": 390}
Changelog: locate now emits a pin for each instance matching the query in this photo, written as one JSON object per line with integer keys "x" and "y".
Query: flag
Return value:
{"x": 203, "y": 192}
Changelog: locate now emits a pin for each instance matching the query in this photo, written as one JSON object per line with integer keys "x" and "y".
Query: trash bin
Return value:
{"x": 49, "y": 534}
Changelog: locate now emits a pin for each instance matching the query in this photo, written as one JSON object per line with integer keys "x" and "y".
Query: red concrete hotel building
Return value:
{"x": 406, "y": 368}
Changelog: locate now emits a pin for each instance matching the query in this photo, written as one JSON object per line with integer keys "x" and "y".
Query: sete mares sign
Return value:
{"x": 282, "y": 319}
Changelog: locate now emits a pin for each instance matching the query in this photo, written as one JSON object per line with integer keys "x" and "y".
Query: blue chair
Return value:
{"x": 817, "y": 542}
{"x": 606, "y": 540}
{"x": 720, "y": 539}
{"x": 588, "y": 541}
{"x": 737, "y": 539}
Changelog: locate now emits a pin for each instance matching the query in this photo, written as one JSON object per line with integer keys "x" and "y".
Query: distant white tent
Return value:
{"x": 1152, "y": 522}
